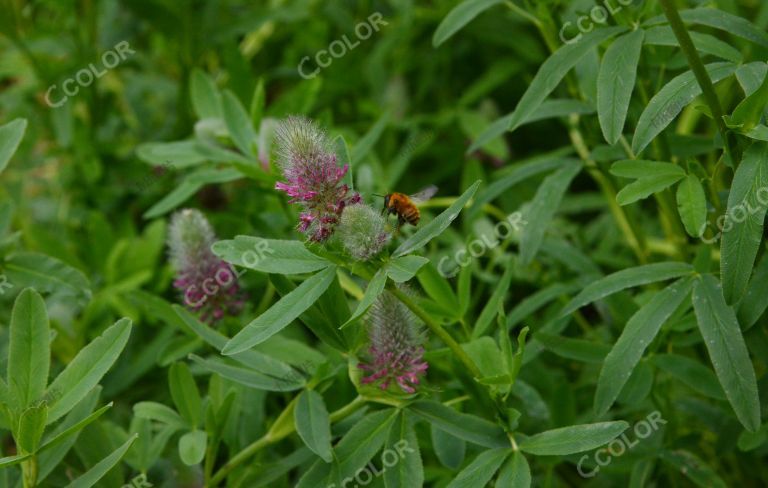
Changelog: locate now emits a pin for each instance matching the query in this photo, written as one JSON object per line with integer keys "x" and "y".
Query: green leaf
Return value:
{"x": 354, "y": 450}
{"x": 87, "y": 369}
{"x": 185, "y": 394}
{"x": 160, "y": 413}
{"x": 755, "y": 300}
{"x": 577, "y": 349}
{"x": 481, "y": 470}
{"x": 250, "y": 377}
{"x": 7, "y": 462}
{"x": 637, "y": 335}
{"x": 690, "y": 372}
{"x": 549, "y": 75}
{"x": 693, "y": 468}
{"x": 645, "y": 187}
{"x": 372, "y": 291}
{"x": 436, "y": 227}
{"x": 704, "y": 43}
{"x": 29, "y": 352}
{"x": 464, "y": 426}
{"x": 192, "y": 447}
{"x": 573, "y": 439}
{"x": 46, "y": 274}
{"x": 542, "y": 209}
{"x": 627, "y": 278}
{"x": 408, "y": 472}
{"x": 692, "y": 205}
{"x": 206, "y": 99}
{"x": 515, "y": 472}
{"x": 449, "y": 449}
{"x": 749, "y": 112}
{"x": 724, "y": 21}
{"x": 238, "y": 124}
{"x": 97, "y": 472}
{"x": 282, "y": 313}
{"x": 671, "y": 100}
{"x": 313, "y": 424}
{"x": 269, "y": 255}
{"x": 364, "y": 146}
{"x": 491, "y": 308}
{"x": 182, "y": 154}
{"x": 641, "y": 168}
{"x": 189, "y": 186}
{"x": 727, "y": 350}
{"x": 404, "y": 268}
{"x": 258, "y": 102}
{"x": 10, "y": 138}
{"x": 31, "y": 427}
{"x": 458, "y": 17}
{"x": 746, "y": 212}
{"x": 615, "y": 83}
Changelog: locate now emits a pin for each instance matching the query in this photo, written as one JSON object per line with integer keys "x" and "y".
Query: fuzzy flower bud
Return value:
{"x": 208, "y": 285}
{"x": 362, "y": 231}
{"x": 396, "y": 352}
{"x": 313, "y": 176}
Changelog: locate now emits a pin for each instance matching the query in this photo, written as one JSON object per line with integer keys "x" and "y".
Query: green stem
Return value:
{"x": 29, "y": 472}
{"x": 697, "y": 66}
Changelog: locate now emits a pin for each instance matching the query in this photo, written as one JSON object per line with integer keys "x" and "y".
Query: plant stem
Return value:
{"x": 272, "y": 437}
{"x": 702, "y": 77}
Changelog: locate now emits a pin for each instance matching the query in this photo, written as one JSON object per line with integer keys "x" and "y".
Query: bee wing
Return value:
{"x": 424, "y": 195}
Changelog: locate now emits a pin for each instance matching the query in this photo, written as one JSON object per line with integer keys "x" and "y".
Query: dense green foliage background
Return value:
{"x": 634, "y": 286}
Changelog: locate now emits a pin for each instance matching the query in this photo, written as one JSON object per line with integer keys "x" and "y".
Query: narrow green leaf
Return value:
{"x": 31, "y": 427}
{"x": 464, "y": 426}
{"x": 97, "y": 472}
{"x": 404, "y": 268}
{"x": 458, "y": 17}
{"x": 722, "y": 20}
{"x": 692, "y": 205}
{"x": 29, "y": 351}
{"x": 671, "y": 100}
{"x": 542, "y": 209}
{"x": 690, "y": 372}
{"x": 641, "y": 168}
{"x": 491, "y": 308}
{"x": 46, "y": 274}
{"x": 573, "y": 439}
{"x": 645, "y": 187}
{"x": 372, "y": 291}
{"x": 7, "y": 462}
{"x": 313, "y": 424}
{"x": 282, "y": 313}
{"x": 160, "y": 413}
{"x": 577, "y": 349}
{"x": 258, "y": 102}
{"x": 515, "y": 472}
{"x": 481, "y": 470}
{"x": 238, "y": 124}
{"x": 10, "y": 138}
{"x": 251, "y": 377}
{"x": 206, "y": 99}
{"x": 408, "y": 472}
{"x": 637, "y": 335}
{"x": 627, "y": 278}
{"x": 87, "y": 369}
{"x": 269, "y": 255}
{"x": 747, "y": 205}
{"x": 693, "y": 468}
{"x": 549, "y": 75}
{"x": 755, "y": 300}
{"x": 615, "y": 82}
{"x": 704, "y": 43}
{"x": 436, "y": 227}
{"x": 727, "y": 350}
{"x": 185, "y": 394}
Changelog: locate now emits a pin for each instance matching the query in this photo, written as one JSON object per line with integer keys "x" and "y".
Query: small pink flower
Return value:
{"x": 314, "y": 178}
{"x": 207, "y": 284}
{"x": 396, "y": 352}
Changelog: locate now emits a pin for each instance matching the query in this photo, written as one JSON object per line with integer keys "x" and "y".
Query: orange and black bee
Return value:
{"x": 405, "y": 206}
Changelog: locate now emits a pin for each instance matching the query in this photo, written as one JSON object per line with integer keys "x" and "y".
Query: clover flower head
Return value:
{"x": 208, "y": 285}
{"x": 396, "y": 351}
{"x": 314, "y": 178}
{"x": 362, "y": 231}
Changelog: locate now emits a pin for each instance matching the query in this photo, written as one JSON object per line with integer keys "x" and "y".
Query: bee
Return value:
{"x": 405, "y": 206}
